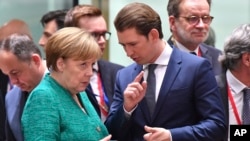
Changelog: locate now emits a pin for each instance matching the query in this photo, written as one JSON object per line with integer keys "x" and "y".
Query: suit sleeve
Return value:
{"x": 117, "y": 123}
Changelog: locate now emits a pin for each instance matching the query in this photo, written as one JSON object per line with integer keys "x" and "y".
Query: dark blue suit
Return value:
{"x": 189, "y": 103}
{"x": 2, "y": 118}
{"x": 212, "y": 55}
{"x": 222, "y": 83}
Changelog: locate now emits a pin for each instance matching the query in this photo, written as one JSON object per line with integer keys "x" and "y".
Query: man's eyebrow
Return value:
{"x": 47, "y": 33}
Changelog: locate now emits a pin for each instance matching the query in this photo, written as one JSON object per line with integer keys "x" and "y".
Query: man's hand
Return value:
{"x": 156, "y": 134}
{"x": 134, "y": 92}
{"x": 107, "y": 138}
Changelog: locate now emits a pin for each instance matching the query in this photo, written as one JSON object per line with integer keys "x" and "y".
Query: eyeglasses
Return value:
{"x": 196, "y": 19}
{"x": 106, "y": 35}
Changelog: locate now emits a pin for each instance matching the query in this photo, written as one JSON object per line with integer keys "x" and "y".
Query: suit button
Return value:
{"x": 98, "y": 128}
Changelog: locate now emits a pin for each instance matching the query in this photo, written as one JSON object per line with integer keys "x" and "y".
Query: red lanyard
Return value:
{"x": 199, "y": 52}
{"x": 103, "y": 106}
{"x": 231, "y": 99}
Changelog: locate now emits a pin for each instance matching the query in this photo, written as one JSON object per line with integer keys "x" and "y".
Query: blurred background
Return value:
{"x": 228, "y": 14}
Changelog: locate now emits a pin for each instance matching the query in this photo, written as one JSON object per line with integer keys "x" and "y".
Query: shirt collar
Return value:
{"x": 95, "y": 67}
{"x": 164, "y": 57}
{"x": 183, "y": 48}
{"x": 234, "y": 83}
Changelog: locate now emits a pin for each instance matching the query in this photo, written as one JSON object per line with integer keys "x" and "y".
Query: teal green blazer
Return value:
{"x": 51, "y": 114}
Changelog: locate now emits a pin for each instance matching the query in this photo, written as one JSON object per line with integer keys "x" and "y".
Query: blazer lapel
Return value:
{"x": 204, "y": 53}
{"x": 172, "y": 71}
{"x": 106, "y": 78}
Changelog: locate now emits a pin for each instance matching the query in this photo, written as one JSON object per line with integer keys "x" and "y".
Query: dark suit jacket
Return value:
{"x": 222, "y": 83}
{"x": 2, "y": 118}
{"x": 3, "y": 89}
{"x": 211, "y": 54}
{"x": 189, "y": 104}
{"x": 14, "y": 102}
{"x": 3, "y": 84}
{"x": 108, "y": 72}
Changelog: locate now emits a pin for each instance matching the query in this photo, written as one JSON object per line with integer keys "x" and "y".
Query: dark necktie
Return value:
{"x": 150, "y": 93}
{"x": 192, "y": 52}
{"x": 246, "y": 107}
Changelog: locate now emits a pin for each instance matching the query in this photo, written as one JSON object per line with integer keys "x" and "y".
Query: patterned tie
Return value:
{"x": 102, "y": 102}
{"x": 150, "y": 93}
{"x": 246, "y": 107}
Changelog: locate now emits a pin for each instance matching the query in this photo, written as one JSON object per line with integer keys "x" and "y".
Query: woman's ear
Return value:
{"x": 60, "y": 64}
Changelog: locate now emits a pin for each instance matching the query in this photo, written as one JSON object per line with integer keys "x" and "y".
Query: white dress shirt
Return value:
{"x": 236, "y": 88}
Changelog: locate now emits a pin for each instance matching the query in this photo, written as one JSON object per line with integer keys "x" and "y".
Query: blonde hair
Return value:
{"x": 71, "y": 42}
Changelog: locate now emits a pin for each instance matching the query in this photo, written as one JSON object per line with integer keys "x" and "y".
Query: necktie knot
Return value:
{"x": 192, "y": 52}
{"x": 151, "y": 68}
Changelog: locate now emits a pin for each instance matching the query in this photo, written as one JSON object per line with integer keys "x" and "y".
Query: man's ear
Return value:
{"x": 246, "y": 59}
{"x": 36, "y": 59}
{"x": 153, "y": 34}
{"x": 171, "y": 20}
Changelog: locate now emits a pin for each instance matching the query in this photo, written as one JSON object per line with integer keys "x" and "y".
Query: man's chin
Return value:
{"x": 24, "y": 88}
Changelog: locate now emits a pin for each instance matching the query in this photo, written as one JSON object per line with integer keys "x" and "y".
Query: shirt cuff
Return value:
{"x": 128, "y": 114}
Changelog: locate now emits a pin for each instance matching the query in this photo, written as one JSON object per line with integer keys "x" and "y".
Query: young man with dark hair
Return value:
{"x": 51, "y": 22}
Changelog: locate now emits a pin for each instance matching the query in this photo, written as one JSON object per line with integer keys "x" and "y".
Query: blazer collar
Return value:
{"x": 173, "y": 69}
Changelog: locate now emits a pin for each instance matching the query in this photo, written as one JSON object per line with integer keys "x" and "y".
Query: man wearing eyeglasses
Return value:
{"x": 189, "y": 22}
{"x": 101, "y": 86}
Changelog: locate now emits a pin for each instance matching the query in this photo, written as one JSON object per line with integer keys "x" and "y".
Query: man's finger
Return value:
{"x": 139, "y": 77}
{"x": 107, "y": 138}
{"x": 148, "y": 129}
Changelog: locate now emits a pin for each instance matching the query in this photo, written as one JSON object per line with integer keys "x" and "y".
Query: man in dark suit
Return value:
{"x": 90, "y": 18}
{"x": 10, "y": 27}
{"x": 189, "y": 23}
{"x": 2, "y": 118}
{"x": 186, "y": 100}
{"x": 235, "y": 82}
{"x": 24, "y": 74}
{"x": 3, "y": 84}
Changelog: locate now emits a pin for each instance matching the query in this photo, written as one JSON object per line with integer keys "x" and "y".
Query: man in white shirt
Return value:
{"x": 236, "y": 62}
{"x": 21, "y": 60}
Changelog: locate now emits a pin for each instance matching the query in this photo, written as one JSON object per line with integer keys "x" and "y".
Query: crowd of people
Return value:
{"x": 182, "y": 88}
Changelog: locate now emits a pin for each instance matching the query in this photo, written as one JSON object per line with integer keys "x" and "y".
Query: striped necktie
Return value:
{"x": 246, "y": 107}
